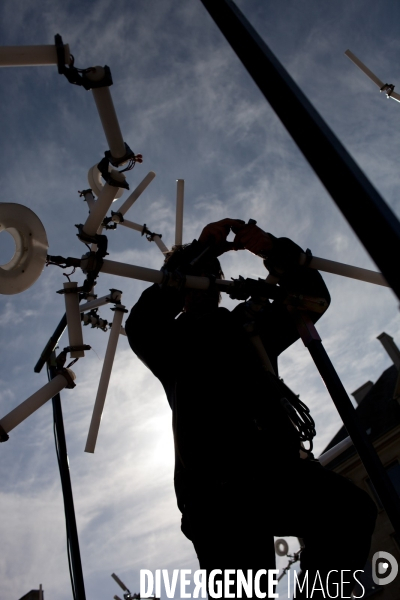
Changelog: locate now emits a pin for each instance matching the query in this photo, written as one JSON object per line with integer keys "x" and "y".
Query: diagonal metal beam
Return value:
{"x": 74, "y": 555}
{"x": 371, "y": 218}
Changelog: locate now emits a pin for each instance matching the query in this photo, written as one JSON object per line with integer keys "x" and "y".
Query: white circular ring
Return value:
{"x": 31, "y": 247}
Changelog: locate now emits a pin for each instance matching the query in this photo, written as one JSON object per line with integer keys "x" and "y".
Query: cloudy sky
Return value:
{"x": 186, "y": 103}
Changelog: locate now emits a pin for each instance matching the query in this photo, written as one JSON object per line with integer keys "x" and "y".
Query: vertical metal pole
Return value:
{"x": 365, "y": 449}
{"x": 180, "y": 186}
{"x": 74, "y": 556}
{"x": 371, "y": 218}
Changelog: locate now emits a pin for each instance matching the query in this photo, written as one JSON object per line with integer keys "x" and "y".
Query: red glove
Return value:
{"x": 254, "y": 239}
{"x": 215, "y": 234}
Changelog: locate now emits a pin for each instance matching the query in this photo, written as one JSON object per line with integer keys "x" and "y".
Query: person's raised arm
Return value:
{"x": 281, "y": 257}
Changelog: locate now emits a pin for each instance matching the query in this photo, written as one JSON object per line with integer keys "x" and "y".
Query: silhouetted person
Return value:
{"x": 239, "y": 478}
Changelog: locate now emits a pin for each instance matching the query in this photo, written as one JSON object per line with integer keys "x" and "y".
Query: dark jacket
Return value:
{"x": 214, "y": 383}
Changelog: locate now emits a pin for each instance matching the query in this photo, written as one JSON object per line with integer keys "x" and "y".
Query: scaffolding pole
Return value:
{"x": 368, "y": 214}
{"x": 74, "y": 555}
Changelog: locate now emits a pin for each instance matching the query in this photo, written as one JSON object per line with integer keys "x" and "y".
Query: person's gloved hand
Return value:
{"x": 253, "y": 238}
{"x": 215, "y": 234}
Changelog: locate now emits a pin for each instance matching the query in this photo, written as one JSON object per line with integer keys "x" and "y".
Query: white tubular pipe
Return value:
{"x": 330, "y": 266}
{"x": 363, "y": 68}
{"x": 104, "y": 380}
{"x": 26, "y": 408}
{"x": 120, "y": 583}
{"x": 144, "y": 274}
{"x": 74, "y": 324}
{"x": 160, "y": 244}
{"x": 137, "y": 192}
{"x": 107, "y": 114}
{"x": 332, "y": 453}
{"x": 180, "y": 185}
{"x": 29, "y": 56}
{"x": 133, "y": 272}
{"x": 101, "y": 207}
{"x": 90, "y": 201}
{"x": 94, "y": 303}
{"x": 114, "y": 296}
{"x": 109, "y": 120}
{"x": 93, "y": 247}
{"x": 137, "y": 227}
{"x": 91, "y": 204}
{"x": 132, "y": 225}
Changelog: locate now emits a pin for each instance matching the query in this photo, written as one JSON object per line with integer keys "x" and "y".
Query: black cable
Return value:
{"x": 301, "y": 418}
{"x": 297, "y": 411}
